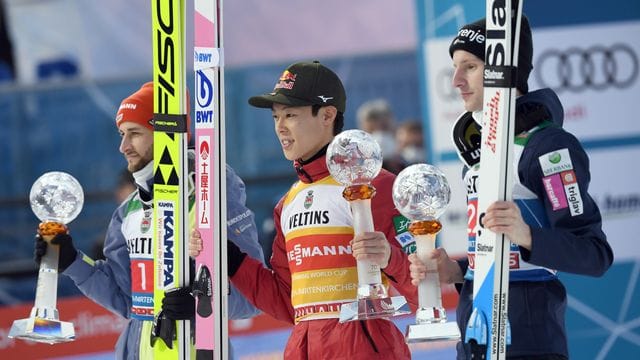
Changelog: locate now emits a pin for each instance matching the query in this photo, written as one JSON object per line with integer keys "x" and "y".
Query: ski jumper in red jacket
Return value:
{"x": 314, "y": 271}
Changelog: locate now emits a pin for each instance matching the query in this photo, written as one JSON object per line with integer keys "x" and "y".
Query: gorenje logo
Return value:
{"x": 472, "y": 35}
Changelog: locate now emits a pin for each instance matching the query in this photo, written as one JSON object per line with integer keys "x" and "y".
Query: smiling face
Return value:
{"x": 301, "y": 134}
{"x": 468, "y": 72}
{"x": 136, "y": 145}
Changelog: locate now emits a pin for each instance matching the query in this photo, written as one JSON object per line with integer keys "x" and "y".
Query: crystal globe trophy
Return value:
{"x": 354, "y": 159}
{"x": 421, "y": 193}
{"x": 56, "y": 199}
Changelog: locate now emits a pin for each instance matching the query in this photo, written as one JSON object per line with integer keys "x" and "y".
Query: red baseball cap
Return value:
{"x": 138, "y": 108}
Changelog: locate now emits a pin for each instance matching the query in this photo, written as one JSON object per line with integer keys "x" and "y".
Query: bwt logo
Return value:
{"x": 200, "y": 57}
{"x": 204, "y": 97}
{"x": 204, "y": 116}
{"x": 204, "y": 89}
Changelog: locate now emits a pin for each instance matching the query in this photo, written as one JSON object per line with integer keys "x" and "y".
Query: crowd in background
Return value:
{"x": 401, "y": 143}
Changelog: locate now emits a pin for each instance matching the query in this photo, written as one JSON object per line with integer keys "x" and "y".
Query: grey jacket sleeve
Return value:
{"x": 241, "y": 229}
{"x": 107, "y": 282}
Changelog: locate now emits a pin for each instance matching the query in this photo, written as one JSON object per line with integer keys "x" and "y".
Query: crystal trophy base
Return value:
{"x": 47, "y": 329}
{"x": 431, "y": 325}
{"x": 374, "y": 308}
{"x": 432, "y": 332}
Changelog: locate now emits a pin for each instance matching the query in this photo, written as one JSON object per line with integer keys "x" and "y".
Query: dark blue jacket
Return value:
{"x": 571, "y": 240}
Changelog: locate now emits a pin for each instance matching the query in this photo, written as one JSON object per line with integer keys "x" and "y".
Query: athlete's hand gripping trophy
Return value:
{"x": 354, "y": 159}
{"x": 421, "y": 193}
{"x": 56, "y": 199}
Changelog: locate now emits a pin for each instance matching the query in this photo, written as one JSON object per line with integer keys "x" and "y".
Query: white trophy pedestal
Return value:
{"x": 447, "y": 331}
{"x": 43, "y": 324}
{"x": 431, "y": 325}
{"x": 50, "y": 331}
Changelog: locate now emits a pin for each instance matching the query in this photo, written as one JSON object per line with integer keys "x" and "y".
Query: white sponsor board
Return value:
{"x": 614, "y": 186}
{"x": 595, "y": 69}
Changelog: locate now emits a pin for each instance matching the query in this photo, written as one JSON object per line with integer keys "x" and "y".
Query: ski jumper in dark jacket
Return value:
{"x": 551, "y": 191}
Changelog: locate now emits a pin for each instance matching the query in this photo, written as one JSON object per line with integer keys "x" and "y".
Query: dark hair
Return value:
{"x": 338, "y": 124}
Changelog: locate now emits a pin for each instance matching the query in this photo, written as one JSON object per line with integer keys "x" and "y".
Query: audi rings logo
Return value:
{"x": 596, "y": 68}
{"x": 204, "y": 90}
{"x": 444, "y": 85}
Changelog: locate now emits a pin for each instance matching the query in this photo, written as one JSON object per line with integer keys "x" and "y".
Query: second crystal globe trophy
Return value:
{"x": 354, "y": 159}
{"x": 56, "y": 198}
{"x": 421, "y": 193}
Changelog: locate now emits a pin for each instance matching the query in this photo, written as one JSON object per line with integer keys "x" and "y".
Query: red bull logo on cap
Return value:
{"x": 287, "y": 76}
{"x": 286, "y": 80}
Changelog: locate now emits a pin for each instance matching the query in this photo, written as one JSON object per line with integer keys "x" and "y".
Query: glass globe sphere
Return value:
{"x": 354, "y": 158}
{"x": 56, "y": 196}
{"x": 421, "y": 192}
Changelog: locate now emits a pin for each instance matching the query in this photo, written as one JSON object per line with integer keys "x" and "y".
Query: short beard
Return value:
{"x": 144, "y": 160}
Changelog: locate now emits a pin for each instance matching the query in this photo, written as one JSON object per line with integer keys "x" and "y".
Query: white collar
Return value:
{"x": 143, "y": 176}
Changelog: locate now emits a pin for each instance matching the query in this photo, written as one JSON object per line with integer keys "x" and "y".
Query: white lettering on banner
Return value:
{"x": 319, "y": 308}
{"x": 472, "y": 35}
{"x": 298, "y": 253}
{"x": 494, "y": 75}
{"x": 130, "y": 106}
{"x": 142, "y": 299}
{"x": 319, "y": 274}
